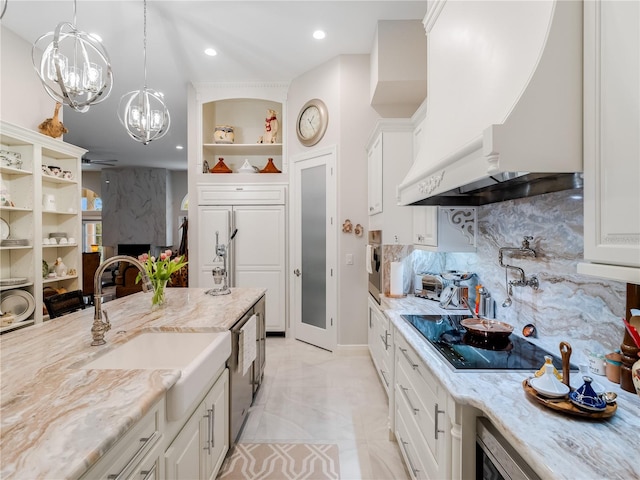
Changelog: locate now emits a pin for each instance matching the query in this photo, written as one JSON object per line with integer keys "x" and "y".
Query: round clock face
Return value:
{"x": 312, "y": 122}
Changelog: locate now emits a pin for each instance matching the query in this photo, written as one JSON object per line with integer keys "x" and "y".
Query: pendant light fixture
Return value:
{"x": 143, "y": 113}
{"x": 73, "y": 66}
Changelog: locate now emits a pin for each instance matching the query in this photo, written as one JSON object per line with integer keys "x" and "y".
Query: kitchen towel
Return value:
{"x": 367, "y": 260}
{"x": 247, "y": 347}
{"x": 397, "y": 274}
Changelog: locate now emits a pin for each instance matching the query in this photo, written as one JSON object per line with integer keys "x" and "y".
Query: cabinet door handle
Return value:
{"x": 151, "y": 473}
{"x": 208, "y": 445}
{"x": 384, "y": 377}
{"x": 437, "y": 411}
{"x": 384, "y": 341}
{"x": 132, "y": 461}
{"x": 297, "y": 272}
{"x": 414, "y": 470}
{"x": 406, "y": 396}
{"x": 404, "y": 352}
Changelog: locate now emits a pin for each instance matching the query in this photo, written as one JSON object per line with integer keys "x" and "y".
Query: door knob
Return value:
{"x": 297, "y": 272}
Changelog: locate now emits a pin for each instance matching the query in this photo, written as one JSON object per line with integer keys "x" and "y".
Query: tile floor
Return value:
{"x": 313, "y": 396}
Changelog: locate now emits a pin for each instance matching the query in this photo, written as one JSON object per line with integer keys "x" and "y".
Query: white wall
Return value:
{"x": 92, "y": 181}
{"x": 357, "y": 120}
{"x": 23, "y": 100}
{"x": 343, "y": 85}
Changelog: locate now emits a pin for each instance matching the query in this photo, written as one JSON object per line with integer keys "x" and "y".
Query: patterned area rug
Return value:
{"x": 281, "y": 461}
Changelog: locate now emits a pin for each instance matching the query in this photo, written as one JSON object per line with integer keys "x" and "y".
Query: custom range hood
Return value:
{"x": 504, "y": 103}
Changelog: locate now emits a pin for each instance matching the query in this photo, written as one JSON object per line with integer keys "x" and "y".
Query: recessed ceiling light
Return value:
{"x": 319, "y": 34}
{"x": 211, "y": 52}
{"x": 179, "y": 147}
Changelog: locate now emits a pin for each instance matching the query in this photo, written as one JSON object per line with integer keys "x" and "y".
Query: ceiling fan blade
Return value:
{"x": 89, "y": 161}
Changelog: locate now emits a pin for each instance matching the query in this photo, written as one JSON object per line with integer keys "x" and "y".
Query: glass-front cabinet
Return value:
{"x": 40, "y": 181}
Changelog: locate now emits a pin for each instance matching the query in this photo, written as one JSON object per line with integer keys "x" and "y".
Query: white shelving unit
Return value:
{"x": 243, "y": 106}
{"x": 27, "y": 219}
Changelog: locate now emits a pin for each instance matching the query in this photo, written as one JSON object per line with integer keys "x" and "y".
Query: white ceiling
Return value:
{"x": 257, "y": 41}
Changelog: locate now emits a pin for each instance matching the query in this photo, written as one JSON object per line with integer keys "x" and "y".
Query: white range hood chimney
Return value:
{"x": 504, "y": 102}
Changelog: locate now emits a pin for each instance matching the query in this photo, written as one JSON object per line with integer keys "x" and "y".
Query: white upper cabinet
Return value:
{"x": 390, "y": 153}
{"x": 445, "y": 229}
{"x": 612, "y": 140}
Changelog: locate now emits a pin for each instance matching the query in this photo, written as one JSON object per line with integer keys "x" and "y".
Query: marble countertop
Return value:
{"x": 56, "y": 420}
{"x": 556, "y": 446}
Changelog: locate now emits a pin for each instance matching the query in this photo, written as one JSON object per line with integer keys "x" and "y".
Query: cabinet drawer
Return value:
{"x": 242, "y": 195}
{"x": 125, "y": 457}
{"x": 425, "y": 383}
{"x": 425, "y": 412}
{"x": 410, "y": 443}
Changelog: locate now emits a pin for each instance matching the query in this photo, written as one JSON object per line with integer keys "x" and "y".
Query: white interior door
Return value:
{"x": 313, "y": 261}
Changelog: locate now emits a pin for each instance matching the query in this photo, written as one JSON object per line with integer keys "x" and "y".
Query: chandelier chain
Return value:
{"x": 144, "y": 43}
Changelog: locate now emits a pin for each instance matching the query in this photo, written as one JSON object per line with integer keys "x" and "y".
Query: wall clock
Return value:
{"x": 312, "y": 122}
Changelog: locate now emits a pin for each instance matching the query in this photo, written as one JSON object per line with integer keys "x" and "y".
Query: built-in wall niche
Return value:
{"x": 248, "y": 118}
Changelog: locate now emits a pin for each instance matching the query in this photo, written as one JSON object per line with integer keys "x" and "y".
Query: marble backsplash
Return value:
{"x": 585, "y": 311}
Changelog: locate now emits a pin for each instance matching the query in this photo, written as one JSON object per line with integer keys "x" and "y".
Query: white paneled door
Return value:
{"x": 313, "y": 253}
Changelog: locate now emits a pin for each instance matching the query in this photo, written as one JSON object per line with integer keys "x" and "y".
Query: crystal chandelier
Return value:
{"x": 74, "y": 67}
{"x": 143, "y": 112}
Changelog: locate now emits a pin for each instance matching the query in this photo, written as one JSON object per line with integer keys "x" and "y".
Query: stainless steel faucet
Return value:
{"x": 524, "y": 250}
{"x": 99, "y": 328}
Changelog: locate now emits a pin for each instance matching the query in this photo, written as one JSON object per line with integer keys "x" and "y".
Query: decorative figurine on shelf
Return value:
{"x": 271, "y": 127}
{"x": 60, "y": 268}
{"x": 220, "y": 167}
{"x": 270, "y": 167}
{"x": 53, "y": 127}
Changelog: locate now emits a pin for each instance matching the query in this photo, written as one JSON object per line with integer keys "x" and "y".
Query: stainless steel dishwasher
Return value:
{"x": 244, "y": 386}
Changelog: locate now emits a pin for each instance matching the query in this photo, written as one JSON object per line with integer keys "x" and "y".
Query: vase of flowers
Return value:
{"x": 159, "y": 271}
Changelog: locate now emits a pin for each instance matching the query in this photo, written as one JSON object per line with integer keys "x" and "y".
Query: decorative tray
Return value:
{"x": 565, "y": 406}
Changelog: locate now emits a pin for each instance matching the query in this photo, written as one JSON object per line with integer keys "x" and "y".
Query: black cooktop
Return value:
{"x": 470, "y": 352}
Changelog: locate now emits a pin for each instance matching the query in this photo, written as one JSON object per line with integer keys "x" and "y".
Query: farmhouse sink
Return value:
{"x": 197, "y": 355}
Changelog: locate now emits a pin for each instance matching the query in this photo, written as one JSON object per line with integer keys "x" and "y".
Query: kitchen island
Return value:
{"x": 555, "y": 446}
{"x": 57, "y": 419}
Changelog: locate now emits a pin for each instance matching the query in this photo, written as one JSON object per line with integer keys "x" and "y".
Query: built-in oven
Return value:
{"x": 495, "y": 458}
{"x": 374, "y": 263}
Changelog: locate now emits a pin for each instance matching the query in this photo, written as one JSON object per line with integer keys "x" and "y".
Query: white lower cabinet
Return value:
{"x": 138, "y": 450}
{"x": 421, "y": 422}
{"x": 380, "y": 344}
{"x": 199, "y": 449}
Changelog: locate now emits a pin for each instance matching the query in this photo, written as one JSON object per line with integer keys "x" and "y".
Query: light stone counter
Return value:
{"x": 556, "y": 446}
{"x": 57, "y": 420}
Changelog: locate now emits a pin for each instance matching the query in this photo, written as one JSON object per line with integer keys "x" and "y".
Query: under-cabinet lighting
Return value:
{"x": 179, "y": 147}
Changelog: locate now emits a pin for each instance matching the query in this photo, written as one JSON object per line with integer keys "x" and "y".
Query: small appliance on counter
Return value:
{"x": 455, "y": 296}
{"x": 429, "y": 286}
